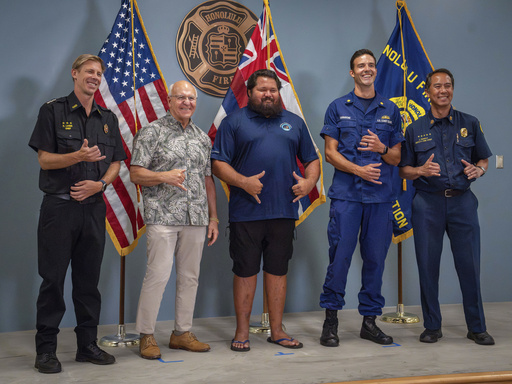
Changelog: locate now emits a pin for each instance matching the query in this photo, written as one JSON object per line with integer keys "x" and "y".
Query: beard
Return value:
{"x": 267, "y": 110}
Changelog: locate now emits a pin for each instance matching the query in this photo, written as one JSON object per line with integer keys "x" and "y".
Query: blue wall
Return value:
{"x": 40, "y": 40}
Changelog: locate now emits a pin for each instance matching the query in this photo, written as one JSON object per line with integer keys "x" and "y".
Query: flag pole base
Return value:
{"x": 122, "y": 339}
{"x": 400, "y": 317}
{"x": 264, "y": 326}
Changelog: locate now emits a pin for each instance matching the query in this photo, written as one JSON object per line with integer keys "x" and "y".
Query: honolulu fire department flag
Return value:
{"x": 130, "y": 65}
{"x": 263, "y": 52}
{"x": 401, "y": 72}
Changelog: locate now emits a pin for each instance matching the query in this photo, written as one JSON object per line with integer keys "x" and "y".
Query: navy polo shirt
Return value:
{"x": 453, "y": 138}
{"x": 347, "y": 122}
{"x": 252, "y": 143}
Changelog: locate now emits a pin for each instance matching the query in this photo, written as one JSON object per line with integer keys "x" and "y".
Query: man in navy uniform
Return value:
{"x": 363, "y": 136}
{"x": 79, "y": 149}
{"x": 444, "y": 152}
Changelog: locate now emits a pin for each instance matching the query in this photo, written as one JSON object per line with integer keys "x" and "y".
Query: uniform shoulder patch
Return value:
{"x": 60, "y": 100}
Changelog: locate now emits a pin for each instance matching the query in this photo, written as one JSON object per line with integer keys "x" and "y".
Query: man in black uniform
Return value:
{"x": 445, "y": 151}
{"x": 79, "y": 149}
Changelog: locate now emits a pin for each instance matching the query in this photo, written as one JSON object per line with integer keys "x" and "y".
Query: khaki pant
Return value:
{"x": 185, "y": 243}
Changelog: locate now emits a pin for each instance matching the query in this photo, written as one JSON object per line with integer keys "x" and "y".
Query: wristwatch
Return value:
{"x": 103, "y": 186}
{"x": 482, "y": 168}
{"x": 385, "y": 151}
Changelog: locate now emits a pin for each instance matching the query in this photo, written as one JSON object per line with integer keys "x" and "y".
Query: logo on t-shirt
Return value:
{"x": 286, "y": 127}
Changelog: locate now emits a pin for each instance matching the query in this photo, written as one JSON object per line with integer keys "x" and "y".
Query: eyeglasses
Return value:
{"x": 182, "y": 98}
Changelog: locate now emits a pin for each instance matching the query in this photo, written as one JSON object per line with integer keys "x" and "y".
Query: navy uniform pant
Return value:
{"x": 373, "y": 223}
{"x": 432, "y": 216}
{"x": 74, "y": 233}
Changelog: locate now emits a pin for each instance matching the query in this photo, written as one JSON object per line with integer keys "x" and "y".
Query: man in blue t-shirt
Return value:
{"x": 363, "y": 137}
{"x": 255, "y": 151}
{"x": 444, "y": 152}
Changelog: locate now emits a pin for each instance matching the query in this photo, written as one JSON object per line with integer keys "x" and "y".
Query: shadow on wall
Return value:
{"x": 19, "y": 281}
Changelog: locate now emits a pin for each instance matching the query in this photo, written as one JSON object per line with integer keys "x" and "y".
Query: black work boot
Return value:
{"x": 370, "y": 331}
{"x": 48, "y": 363}
{"x": 329, "y": 336}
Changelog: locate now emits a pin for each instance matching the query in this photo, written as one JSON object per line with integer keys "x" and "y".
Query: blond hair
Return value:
{"x": 80, "y": 60}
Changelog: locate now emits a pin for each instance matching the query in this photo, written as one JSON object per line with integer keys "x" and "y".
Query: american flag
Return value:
{"x": 129, "y": 58}
{"x": 263, "y": 52}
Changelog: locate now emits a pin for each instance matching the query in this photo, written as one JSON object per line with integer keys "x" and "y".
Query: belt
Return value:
{"x": 450, "y": 192}
{"x": 67, "y": 196}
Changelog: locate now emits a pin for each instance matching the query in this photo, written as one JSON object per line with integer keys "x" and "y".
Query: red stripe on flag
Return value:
{"x": 146, "y": 104}
{"x": 98, "y": 97}
{"x": 128, "y": 116}
{"x": 160, "y": 88}
{"x": 239, "y": 89}
{"x": 126, "y": 200}
{"x": 116, "y": 226}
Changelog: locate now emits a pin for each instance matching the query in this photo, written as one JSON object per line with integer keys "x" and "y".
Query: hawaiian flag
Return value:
{"x": 401, "y": 72}
{"x": 263, "y": 52}
{"x": 132, "y": 82}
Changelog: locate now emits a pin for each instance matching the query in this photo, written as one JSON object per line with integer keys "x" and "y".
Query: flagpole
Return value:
{"x": 264, "y": 326}
{"x": 400, "y": 317}
{"x": 123, "y": 339}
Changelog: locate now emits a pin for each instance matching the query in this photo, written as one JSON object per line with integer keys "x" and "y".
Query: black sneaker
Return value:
{"x": 481, "y": 338}
{"x": 93, "y": 354}
{"x": 48, "y": 363}
{"x": 431, "y": 335}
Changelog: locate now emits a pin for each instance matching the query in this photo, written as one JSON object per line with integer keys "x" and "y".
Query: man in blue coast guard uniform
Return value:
{"x": 444, "y": 152}
{"x": 363, "y": 137}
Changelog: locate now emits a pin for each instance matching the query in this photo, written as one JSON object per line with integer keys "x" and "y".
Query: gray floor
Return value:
{"x": 355, "y": 359}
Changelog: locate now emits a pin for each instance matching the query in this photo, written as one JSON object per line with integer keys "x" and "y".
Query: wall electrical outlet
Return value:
{"x": 499, "y": 161}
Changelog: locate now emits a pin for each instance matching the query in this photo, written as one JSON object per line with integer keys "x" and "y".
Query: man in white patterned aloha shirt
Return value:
{"x": 171, "y": 162}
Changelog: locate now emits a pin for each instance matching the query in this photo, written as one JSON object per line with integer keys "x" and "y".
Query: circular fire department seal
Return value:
{"x": 210, "y": 42}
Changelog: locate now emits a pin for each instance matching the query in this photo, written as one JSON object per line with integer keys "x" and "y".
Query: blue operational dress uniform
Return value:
{"x": 359, "y": 206}
{"x": 446, "y": 204}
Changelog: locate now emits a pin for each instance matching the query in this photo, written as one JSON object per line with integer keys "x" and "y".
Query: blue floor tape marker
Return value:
{"x": 175, "y": 361}
{"x": 283, "y": 354}
{"x": 392, "y": 345}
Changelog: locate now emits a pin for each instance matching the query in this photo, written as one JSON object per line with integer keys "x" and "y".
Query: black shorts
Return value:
{"x": 249, "y": 240}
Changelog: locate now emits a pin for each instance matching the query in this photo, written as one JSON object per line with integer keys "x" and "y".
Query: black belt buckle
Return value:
{"x": 452, "y": 192}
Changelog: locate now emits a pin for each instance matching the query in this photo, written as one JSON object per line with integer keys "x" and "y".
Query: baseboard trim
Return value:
{"x": 458, "y": 378}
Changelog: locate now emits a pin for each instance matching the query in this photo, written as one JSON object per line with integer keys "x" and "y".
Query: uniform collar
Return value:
{"x": 74, "y": 104}
{"x": 432, "y": 120}
{"x": 352, "y": 99}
